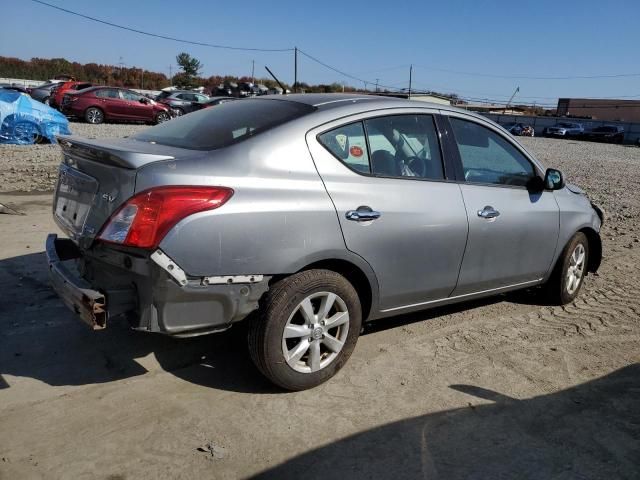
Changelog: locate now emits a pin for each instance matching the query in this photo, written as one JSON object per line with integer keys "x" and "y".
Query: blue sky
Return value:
{"x": 370, "y": 40}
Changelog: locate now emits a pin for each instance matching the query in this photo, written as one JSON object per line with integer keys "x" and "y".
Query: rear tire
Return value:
{"x": 94, "y": 115}
{"x": 306, "y": 329}
{"x": 568, "y": 275}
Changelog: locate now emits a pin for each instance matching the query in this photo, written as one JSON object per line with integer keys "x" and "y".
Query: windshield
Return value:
{"x": 228, "y": 123}
{"x": 605, "y": 129}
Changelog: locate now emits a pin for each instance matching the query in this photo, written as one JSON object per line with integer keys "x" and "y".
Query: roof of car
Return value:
{"x": 326, "y": 101}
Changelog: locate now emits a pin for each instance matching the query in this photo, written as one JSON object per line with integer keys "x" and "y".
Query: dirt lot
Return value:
{"x": 503, "y": 388}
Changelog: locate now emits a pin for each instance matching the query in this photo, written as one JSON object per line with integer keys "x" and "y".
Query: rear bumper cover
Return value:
{"x": 150, "y": 298}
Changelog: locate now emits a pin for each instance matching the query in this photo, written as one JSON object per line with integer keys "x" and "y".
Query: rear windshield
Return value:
{"x": 605, "y": 129}
{"x": 225, "y": 124}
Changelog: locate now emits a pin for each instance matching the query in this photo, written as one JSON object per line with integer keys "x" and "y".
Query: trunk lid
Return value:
{"x": 96, "y": 177}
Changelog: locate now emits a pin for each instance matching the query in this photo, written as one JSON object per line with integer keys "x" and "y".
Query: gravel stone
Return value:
{"x": 34, "y": 168}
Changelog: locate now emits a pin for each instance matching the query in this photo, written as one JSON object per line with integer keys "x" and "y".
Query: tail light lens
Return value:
{"x": 145, "y": 218}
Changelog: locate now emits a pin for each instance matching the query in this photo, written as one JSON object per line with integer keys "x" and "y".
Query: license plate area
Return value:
{"x": 74, "y": 197}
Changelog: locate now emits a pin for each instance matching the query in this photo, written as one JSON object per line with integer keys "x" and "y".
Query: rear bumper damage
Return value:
{"x": 76, "y": 293}
{"x": 154, "y": 296}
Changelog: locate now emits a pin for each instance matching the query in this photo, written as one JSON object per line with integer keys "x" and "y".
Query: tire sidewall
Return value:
{"x": 578, "y": 238}
{"x": 278, "y": 311}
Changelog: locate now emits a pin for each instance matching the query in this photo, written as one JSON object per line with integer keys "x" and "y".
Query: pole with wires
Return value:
{"x": 295, "y": 69}
{"x": 410, "y": 75}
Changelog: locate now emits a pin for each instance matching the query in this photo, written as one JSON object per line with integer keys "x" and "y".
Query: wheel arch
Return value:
{"x": 362, "y": 278}
{"x": 595, "y": 249}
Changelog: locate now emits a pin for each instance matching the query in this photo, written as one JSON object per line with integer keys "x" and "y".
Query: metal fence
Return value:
{"x": 631, "y": 129}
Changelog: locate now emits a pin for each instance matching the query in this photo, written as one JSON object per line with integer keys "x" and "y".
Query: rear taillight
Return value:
{"x": 145, "y": 218}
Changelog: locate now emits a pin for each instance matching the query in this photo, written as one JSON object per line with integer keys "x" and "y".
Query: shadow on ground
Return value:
{"x": 42, "y": 340}
{"x": 591, "y": 431}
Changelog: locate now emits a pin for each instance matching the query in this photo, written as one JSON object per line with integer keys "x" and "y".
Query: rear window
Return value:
{"x": 228, "y": 123}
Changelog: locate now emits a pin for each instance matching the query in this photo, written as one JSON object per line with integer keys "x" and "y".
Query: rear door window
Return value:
{"x": 391, "y": 146}
{"x": 108, "y": 93}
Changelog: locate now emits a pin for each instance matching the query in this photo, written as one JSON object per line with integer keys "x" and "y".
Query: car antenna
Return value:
{"x": 284, "y": 90}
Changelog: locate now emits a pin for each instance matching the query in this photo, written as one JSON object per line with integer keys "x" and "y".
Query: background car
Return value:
{"x": 182, "y": 101}
{"x": 43, "y": 93}
{"x": 60, "y": 89}
{"x": 99, "y": 104}
{"x": 564, "y": 130}
{"x": 519, "y": 129}
{"x": 606, "y": 133}
{"x": 305, "y": 216}
{"x": 212, "y": 102}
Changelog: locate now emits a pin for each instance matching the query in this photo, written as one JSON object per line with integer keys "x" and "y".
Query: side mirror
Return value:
{"x": 144, "y": 100}
{"x": 553, "y": 179}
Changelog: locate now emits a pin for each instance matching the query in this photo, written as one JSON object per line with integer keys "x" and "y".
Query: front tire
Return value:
{"x": 162, "y": 117}
{"x": 306, "y": 330}
{"x": 94, "y": 116}
{"x": 568, "y": 276}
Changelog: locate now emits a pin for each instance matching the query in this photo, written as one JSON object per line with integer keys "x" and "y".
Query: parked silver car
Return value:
{"x": 308, "y": 215}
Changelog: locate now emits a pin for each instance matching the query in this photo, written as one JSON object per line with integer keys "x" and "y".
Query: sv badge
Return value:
{"x": 108, "y": 197}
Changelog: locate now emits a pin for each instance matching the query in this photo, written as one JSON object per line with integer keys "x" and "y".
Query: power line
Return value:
{"x": 530, "y": 77}
{"x": 165, "y": 37}
{"x": 310, "y": 57}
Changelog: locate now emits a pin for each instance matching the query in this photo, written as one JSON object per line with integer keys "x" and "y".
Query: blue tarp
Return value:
{"x": 24, "y": 121}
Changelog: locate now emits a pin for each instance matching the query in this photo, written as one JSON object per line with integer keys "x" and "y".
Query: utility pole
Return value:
{"x": 377, "y": 80}
{"x": 295, "y": 70}
{"x": 142, "y": 78}
{"x": 171, "y": 75}
{"x": 410, "y": 74}
{"x": 253, "y": 66}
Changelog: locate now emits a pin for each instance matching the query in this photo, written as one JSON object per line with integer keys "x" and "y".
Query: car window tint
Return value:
{"x": 107, "y": 93}
{"x": 348, "y": 144}
{"x": 489, "y": 158}
{"x": 228, "y": 123}
{"x": 405, "y": 146}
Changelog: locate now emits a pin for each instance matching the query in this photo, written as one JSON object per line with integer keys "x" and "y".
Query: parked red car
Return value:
{"x": 98, "y": 104}
{"x": 62, "y": 88}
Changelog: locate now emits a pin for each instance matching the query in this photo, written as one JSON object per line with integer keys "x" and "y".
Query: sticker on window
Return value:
{"x": 356, "y": 151}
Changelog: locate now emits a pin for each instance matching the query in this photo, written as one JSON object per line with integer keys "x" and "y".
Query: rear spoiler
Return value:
{"x": 103, "y": 152}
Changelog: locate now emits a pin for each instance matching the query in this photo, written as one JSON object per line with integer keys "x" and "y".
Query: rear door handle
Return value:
{"x": 488, "y": 212}
{"x": 362, "y": 214}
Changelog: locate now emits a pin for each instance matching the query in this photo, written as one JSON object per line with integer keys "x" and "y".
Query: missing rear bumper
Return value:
{"x": 90, "y": 305}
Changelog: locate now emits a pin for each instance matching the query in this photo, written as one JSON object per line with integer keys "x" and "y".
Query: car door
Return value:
{"x": 395, "y": 205}
{"x": 111, "y": 102}
{"x": 513, "y": 231}
{"x": 137, "y": 106}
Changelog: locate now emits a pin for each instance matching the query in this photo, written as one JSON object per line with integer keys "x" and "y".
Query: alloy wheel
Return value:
{"x": 315, "y": 332}
{"x": 575, "y": 271}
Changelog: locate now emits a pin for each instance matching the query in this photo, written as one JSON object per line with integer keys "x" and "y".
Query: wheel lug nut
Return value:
{"x": 310, "y": 339}
{"x": 322, "y": 323}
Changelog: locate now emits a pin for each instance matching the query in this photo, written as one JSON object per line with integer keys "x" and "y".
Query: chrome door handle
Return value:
{"x": 362, "y": 214}
{"x": 488, "y": 212}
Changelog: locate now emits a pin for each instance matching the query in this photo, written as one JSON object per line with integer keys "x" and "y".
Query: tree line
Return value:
{"x": 134, "y": 77}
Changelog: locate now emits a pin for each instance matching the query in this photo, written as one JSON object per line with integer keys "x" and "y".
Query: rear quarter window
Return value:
{"x": 228, "y": 123}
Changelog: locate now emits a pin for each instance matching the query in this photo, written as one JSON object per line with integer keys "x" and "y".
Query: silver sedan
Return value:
{"x": 307, "y": 215}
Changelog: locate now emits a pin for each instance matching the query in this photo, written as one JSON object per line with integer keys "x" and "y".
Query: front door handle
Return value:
{"x": 488, "y": 212}
{"x": 362, "y": 214}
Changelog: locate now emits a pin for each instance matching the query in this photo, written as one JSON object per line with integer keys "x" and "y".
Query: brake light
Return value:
{"x": 144, "y": 219}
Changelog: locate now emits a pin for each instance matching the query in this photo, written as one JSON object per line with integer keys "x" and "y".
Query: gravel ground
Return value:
{"x": 505, "y": 387}
{"x": 34, "y": 168}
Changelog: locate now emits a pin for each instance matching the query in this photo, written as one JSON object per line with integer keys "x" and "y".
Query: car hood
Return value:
{"x": 575, "y": 189}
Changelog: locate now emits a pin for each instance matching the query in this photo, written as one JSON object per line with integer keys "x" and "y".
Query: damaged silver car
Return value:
{"x": 306, "y": 216}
